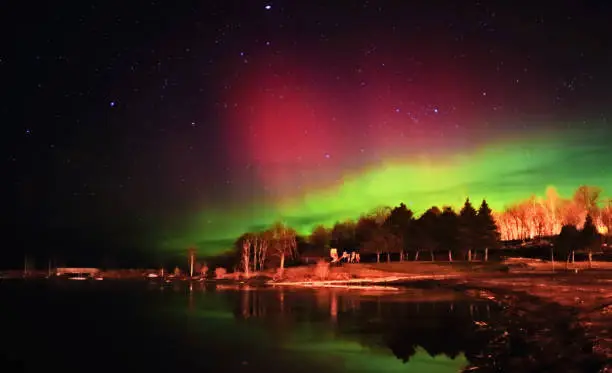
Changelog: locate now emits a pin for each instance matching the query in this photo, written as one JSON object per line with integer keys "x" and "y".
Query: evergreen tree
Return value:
{"x": 448, "y": 231}
{"x": 399, "y": 222}
{"x": 425, "y": 231}
{"x": 467, "y": 228}
{"x": 488, "y": 236}
{"x": 567, "y": 240}
{"x": 590, "y": 239}
{"x": 320, "y": 239}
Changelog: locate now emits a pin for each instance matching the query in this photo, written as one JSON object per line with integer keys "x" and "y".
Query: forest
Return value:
{"x": 397, "y": 233}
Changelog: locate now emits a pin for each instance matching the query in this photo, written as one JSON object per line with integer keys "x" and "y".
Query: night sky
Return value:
{"x": 132, "y": 130}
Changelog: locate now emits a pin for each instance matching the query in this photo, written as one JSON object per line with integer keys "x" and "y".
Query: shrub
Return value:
{"x": 322, "y": 270}
{"x": 220, "y": 272}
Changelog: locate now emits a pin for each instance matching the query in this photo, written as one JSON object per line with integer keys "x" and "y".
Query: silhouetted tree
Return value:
{"x": 448, "y": 231}
{"x": 343, "y": 235}
{"x": 425, "y": 232}
{"x": 487, "y": 233}
{"x": 382, "y": 240}
{"x": 399, "y": 222}
{"x": 590, "y": 239}
{"x": 320, "y": 239}
{"x": 366, "y": 233}
{"x": 567, "y": 241}
{"x": 468, "y": 223}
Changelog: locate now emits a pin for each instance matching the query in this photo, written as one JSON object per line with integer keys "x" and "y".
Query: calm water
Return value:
{"x": 97, "y": 326}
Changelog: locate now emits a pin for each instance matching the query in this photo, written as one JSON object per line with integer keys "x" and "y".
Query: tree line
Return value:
{"x": 545, "y": 216}
{"x": 383, "y": 231}
{"x": 397, "y": 233}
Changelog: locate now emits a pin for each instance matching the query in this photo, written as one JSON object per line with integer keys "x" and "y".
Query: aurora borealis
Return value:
{"x": 145, "y": 130}
{"x": 502, "y": 173}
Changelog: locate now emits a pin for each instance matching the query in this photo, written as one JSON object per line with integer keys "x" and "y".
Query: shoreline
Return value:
{"x": 582, "y": 298}
{"x": 533, "y": 295}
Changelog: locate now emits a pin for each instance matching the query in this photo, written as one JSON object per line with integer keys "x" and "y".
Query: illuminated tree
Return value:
{"x": 587, "y": 198}
{"x": 572, "y": 213}
{"x": 552, "y": 211}
{"x": 606, "y": 218}
{"x": 261, "y": 242}
{"x": 191, "y": 253}
{"x": 283, "y": 243}
{"x": 246, "y": 253}
{"x": 203, "y": 269}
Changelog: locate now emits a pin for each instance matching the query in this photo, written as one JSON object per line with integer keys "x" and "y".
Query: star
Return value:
{"x": 268, "y": 7}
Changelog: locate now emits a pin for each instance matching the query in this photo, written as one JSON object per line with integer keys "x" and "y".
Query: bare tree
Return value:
{"x": 191, "y": 255}
{"x": 587, "y": 198}
{"x": 284, "y": 243}
{"x": 247, "y": 245}
{"x": 262, "y": 241}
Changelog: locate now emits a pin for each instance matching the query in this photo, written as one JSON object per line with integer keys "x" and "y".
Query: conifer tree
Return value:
{"x": 590, "y": 239}
{"x": 488, "y": 235}
{"x": 467, "y": 228}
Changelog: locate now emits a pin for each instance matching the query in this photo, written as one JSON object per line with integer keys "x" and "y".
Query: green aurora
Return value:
{"x": 501, "y": 173}
{"x": 314, "y": 345}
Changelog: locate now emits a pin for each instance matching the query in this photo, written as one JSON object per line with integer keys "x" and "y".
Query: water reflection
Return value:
{"x": 411, "y": 330}
{"x": 193, "y": 327}
{"x": 416, "y": 330}
{"x": 410, "y": 324}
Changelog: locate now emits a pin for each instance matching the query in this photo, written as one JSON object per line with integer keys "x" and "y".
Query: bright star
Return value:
{"x": 268, "y": 7}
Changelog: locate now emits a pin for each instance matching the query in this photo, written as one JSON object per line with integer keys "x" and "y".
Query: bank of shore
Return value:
{"x": 528, "y": 288}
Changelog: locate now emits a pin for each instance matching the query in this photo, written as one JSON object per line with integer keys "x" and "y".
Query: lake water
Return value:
{"x": 98, "y": 326}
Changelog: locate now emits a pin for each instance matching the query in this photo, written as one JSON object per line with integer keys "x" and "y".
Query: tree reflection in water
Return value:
{"x": 491, "y": 337}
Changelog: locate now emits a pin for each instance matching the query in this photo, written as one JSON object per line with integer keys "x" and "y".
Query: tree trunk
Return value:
{"x": 590, "y": 259}
{"x": 388, "y": 257}
{"x": 191, "y": 266}
{"x": 450, "y": 256}
{"x": 431, "y": 254}
{"x": 469, "y": 255}
{"x": 573, "y": 257}
{"x": 416, "y": 256}
{"x": 552, "y": 258}
{"x": 377, "y": 257}
{"x": 282, "y": 263}
{"x": 402, "y": 256}
{"x": 486, "y": 255}
{"x": 569, "y": 256}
